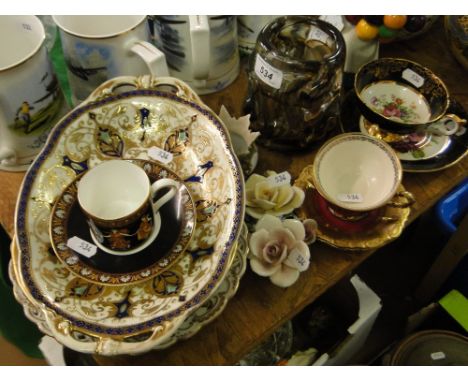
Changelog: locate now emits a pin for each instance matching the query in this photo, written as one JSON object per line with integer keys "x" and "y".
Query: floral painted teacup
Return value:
{"x": 118, "y": 200}
{"x": 400, "y": 95}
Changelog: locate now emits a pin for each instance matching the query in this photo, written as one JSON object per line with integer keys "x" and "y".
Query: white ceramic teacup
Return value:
{"x": 30, "y": 97}
{"x": 357, "y": 172}
{"x": 200, "y": 50}
{"x": 98, "y": 48}
{"x": 118, "y": 200}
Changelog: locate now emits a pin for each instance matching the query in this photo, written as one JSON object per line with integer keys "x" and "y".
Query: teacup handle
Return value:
{"x": 410, "y": 200}
{"x": 7, "y": 155}
{"x": 152, "y": 56}
{"x": 449, "y": 124}
{"x": 200, "y": 46}
{"x": 163, "y": 183}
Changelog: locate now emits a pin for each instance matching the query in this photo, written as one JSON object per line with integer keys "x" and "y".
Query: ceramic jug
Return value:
{"x": 98, "y": 48}
{"x": 200, "y": 50}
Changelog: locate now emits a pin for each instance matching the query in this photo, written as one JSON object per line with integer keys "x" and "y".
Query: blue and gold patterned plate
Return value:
{"x": 124, "y": 118}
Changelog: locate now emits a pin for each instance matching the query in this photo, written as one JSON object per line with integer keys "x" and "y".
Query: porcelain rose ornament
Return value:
{"x": 279, "y": 249}
{"x": 263, "y": 197}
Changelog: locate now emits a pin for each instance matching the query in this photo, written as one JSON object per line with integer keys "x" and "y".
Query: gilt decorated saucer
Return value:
{"x": 413, "y": 147}
{"x": 435, "y": 154}
{"x": 170, "y": 240}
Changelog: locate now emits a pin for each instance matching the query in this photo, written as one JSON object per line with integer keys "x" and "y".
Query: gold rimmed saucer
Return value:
{"x": 428, "y": 146}
{"x": 381, "y": 233}
{"x": 67, "y": 220}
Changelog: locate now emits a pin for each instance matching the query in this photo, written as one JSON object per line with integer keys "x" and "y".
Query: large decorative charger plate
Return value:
{"x": 453, "y": 151}
{"x": 378, "y": 235}
{"x": 195, "y": 321}
{"x": 161, "y": 113}
{"x": 178, "y": 224}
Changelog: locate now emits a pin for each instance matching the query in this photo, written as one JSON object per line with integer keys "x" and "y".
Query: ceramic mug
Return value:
{"x": 119, "y": 202}
{"x": 98, "y": 48}
{"x": 358, "y": 174}
{"x": 249, "y": 27}
{"x": 30, "y": 97}
{"x": 200, "y": 50}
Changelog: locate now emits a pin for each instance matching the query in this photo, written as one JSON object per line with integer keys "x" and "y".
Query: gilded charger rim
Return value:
{"x": 239, "y": 253}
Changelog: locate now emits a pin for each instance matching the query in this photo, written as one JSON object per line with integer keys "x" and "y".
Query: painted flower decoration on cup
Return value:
{"x": 278, "y": 250}
{"x": 264, "y": 197}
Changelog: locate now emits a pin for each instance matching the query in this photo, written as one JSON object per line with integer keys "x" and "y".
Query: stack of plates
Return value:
{"x": 130, "y": 304}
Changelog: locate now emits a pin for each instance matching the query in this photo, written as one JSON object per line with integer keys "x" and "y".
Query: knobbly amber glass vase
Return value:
{"x": 295, "y": 77}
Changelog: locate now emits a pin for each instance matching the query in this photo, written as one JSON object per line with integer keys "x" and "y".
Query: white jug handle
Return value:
{"x": 7, "y": 155}
{"x": 152, "y": 56}
{"x": 163, "y": 183}
{"x": 200, "y": 43}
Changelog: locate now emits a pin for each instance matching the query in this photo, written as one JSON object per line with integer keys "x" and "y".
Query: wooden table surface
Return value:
{"x": 259, "y": 307}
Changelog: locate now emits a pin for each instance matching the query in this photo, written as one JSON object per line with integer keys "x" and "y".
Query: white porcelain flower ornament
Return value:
{"x": 278, "y": 250}
{"x": 263, "y": 197}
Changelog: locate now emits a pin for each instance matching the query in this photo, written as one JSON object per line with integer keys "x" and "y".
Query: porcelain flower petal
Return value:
{"x": 285, "y": 195}
{"x": 283, "y": 236}
{"x": 310, "y": 226}
{"x": 262, "y": 269}
{"x": 253, "y": 180}
{"x": 274, "y": 252}
{"x": 285, "y": 276}
{"x": 269, "y": 223}
{"x": 258, "y": 241}
{"x": 296, "y": 227}
{"x": 299, "y": 257}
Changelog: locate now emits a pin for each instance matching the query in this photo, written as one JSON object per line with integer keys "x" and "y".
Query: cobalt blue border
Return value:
{"x": 27, "y": 187}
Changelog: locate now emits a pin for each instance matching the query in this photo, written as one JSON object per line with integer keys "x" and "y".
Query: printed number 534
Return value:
{"x": 265, "y": 73}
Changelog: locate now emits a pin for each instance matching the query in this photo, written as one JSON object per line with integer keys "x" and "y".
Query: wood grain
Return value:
{"x": 260, "y": 307}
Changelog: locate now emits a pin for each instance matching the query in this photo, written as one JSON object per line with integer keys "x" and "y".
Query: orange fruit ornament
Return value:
{"x": 394, "y": 22}
{"x": 366, "y": 31}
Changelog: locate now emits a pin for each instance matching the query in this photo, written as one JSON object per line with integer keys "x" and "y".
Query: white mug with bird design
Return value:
{"x": 98, "y": 48}
{"x": 31, "y": 101}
